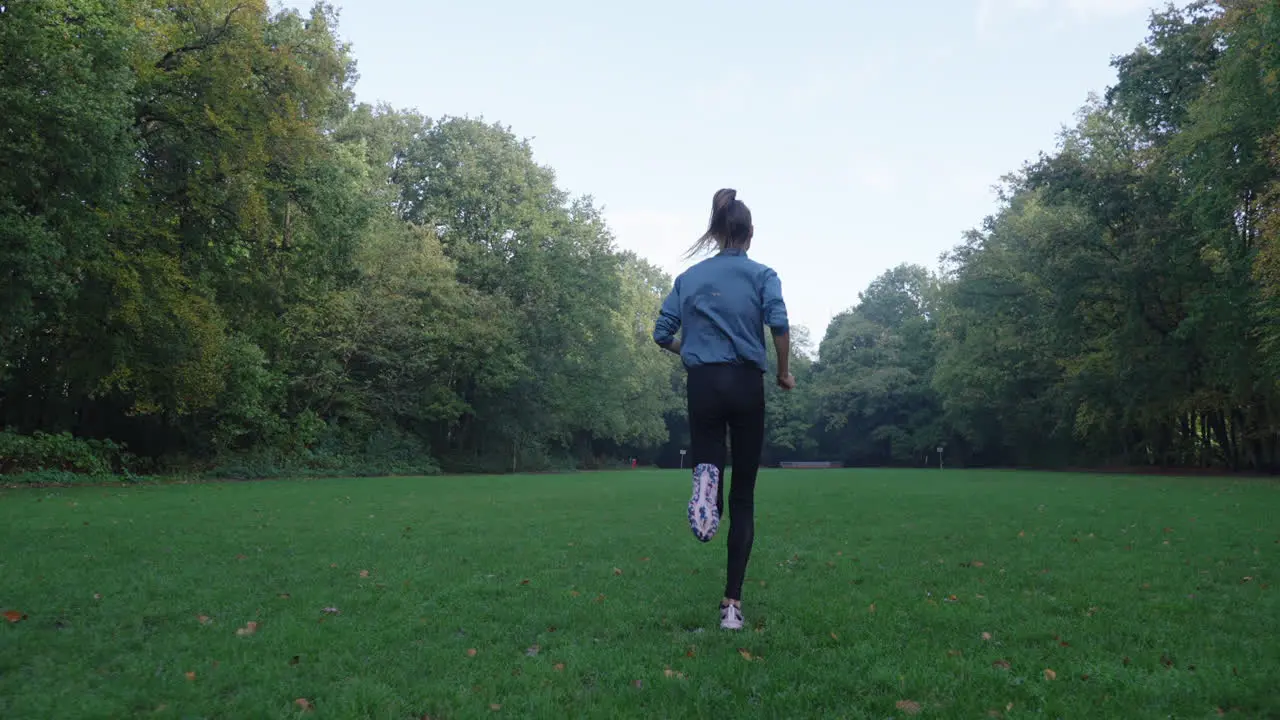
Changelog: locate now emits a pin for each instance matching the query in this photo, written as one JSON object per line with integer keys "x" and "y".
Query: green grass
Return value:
{"x": 1148, "y": 597}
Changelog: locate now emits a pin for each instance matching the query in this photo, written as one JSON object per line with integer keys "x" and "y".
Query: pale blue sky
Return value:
{"x": 861, "y": 134}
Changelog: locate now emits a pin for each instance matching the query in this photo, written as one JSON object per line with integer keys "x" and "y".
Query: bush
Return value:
{"x": 41, "y": 452}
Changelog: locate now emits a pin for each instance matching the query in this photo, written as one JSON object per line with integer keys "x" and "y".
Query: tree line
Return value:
{"x": 213, "y": 257}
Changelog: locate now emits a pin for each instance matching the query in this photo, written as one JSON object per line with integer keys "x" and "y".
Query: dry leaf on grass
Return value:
{"x": 872, "y": 609}
{"x": 1050, "y": 675}
{"x": 910, "y": 707}
{"x": 14, "y": 616}
{"x": 559, "y": 667}
{"x": 986, "y": 636}
{"x": 617, "y": 571}
{"x": 191, "y": 675}
{"x": 471, "y": 652}
{"x": 305, "y": 704}
{"x": 364, "y": 573}
{"x": 250, "y": 628}
{"x": 673, "y": 674}
{"x": 1001, "y": 665}
{"x": 495, "y": 707}
{"x": 330, "y": 611}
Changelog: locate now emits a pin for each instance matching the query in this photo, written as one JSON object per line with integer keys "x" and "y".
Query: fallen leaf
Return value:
{"x": 952, "y": 598}
{"x": 1050, "y": 675}
{"x": 600, "y": 598}
{"x": 551, "y": 629}
{"x": 617, "y": 571}
{"x": 574, "y": 593}
{"x": 97, "y": 596}
{"x": 954, "y": 653}
{"x": 525, "y": 581}
{"x": 204, "y": 619}
{"x": 644, "y": 559}
{"x": 1126, "y": 660}
{"x": 1247, "y": 578}
{"x": 284, "y": 596}
{"x": 673, "y": 673}
{"x": 242, "y": 557}
{"x": 1093, "y": 611}
{"x": 532, "y": 651}
{"x": 191, "y": 675}
{"x": 638, "y": 684}
{"x": 364, "y": 573}
{"x": 977, "y": 563}
{"x": 305, "y": 704}
{"x": 693, "y": 650}
{"x": 14, "y": 616}
{"x": 1022, "y": 533}
{"x": 471, "y": 652}
{"x": 1084, "y": 676}
{"x": 746, "y": 654}
{"x": 1001, "y": 665}
{"x": 872, "y": 609}
{"x": 559, "y": 667}
{"x": 330, "y": 611}
{"x": 986, "y": 636}
{"x": 333, "y": 565}
{"x": 910, "y": 707}
{"x": 250, "y": 628}
{"x": 835, "y": 636}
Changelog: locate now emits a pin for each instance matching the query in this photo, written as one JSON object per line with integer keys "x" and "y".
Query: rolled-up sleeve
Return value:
{"x": 775, "y": 308}
{"x": 668, "y": 324}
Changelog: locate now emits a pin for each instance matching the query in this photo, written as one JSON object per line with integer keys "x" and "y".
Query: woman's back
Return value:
{"x": 723, "y": 304}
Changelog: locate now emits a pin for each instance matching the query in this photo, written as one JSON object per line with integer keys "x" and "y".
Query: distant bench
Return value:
{"x": 811, "y": 465}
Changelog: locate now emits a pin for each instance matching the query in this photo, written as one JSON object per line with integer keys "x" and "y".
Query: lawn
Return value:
{"x": 871, "y": 594}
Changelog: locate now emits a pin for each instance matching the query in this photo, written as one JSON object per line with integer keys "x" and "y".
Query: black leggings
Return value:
{"x": 730, "y": 397}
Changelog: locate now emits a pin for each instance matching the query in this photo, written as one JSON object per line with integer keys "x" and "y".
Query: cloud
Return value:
{"x": 1076, "y": 11}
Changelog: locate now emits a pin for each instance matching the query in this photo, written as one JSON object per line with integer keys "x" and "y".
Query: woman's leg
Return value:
{"x": 707, "y": 425}
{"x": 746, "y": 427}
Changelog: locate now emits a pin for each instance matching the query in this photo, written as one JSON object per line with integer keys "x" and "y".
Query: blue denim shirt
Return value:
{"x": 723, "y": 305}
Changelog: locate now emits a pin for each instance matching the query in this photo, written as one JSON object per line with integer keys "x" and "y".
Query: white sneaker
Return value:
{"x": 730, "y": 617}
{"x": 704, "y": 516}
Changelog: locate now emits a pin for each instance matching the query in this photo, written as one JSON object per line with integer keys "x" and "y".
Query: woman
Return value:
{"x": 721, "y": 306}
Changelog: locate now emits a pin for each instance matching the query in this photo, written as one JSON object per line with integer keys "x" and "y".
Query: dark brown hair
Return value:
{"x": 730, "y": 224}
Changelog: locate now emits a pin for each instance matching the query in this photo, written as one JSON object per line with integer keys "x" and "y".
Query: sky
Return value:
{"x": 861, "y": 134}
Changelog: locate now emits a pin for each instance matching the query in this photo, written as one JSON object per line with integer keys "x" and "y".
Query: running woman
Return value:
{"x": 720, "y": 307}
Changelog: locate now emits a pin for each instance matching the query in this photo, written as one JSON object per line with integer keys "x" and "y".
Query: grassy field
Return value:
{"x": 871, "y": 594}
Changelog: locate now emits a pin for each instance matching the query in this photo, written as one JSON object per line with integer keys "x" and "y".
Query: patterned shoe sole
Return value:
{"x": 704, "y": 519}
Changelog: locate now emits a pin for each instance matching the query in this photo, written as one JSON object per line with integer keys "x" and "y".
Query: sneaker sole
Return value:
{"x": 704, "y": 520}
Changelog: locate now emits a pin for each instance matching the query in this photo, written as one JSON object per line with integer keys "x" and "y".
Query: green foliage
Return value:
{"x": 59, "y": 454}
{"x": 209, "y": 252}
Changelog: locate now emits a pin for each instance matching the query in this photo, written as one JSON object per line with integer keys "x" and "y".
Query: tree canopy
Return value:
{"x": 214, "y": 256}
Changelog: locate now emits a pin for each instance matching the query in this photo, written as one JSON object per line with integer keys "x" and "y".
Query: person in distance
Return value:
{"x": 720, "y": 307}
